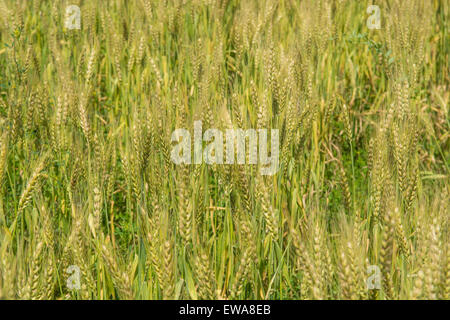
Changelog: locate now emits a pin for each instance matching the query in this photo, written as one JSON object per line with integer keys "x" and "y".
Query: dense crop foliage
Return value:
{"x": 87, "y": 182}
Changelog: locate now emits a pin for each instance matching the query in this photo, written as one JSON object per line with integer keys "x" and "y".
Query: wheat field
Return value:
{"x": 93, "y": 207}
